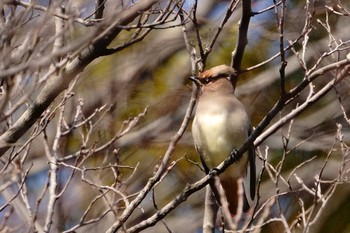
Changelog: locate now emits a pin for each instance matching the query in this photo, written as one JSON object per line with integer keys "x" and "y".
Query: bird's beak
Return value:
{"x": 195, "y": 80}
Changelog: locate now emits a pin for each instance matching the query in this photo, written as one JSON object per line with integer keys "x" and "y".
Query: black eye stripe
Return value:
{"x": 212, "y": 78}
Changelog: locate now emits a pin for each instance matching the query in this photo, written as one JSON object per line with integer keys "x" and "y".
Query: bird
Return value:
{"x": 220, "y": 126}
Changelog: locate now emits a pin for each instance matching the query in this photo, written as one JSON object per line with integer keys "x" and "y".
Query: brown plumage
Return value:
{"x": 221, "y": 125}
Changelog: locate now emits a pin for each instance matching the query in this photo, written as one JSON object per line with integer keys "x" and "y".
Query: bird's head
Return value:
{"x": 213, "y": 74}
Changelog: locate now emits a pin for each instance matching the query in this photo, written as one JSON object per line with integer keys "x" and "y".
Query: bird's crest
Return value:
{"x": 221, "y": 71}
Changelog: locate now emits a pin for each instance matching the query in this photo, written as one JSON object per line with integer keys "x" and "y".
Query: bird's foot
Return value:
{"x": 214, "y": 171}
{"x": 233, "y": 155}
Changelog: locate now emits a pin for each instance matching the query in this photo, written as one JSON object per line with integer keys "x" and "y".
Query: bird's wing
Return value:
{"x": 249, "y": 181}
{"x": 252, "y": 167}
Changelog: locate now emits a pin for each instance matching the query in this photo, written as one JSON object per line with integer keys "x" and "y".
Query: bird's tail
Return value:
{"x": 231, "y": 188}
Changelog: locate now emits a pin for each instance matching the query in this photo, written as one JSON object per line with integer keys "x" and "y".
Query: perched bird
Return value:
{"x": 221, "y": 125}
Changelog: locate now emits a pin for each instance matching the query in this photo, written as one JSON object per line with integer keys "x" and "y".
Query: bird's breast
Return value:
{"x": 213, "y": 130}
{"x": 217, "y": 134}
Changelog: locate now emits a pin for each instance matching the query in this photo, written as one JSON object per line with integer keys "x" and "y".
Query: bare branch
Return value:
{"x": 57, "y": 84}
{"x": 242, "y": 40}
